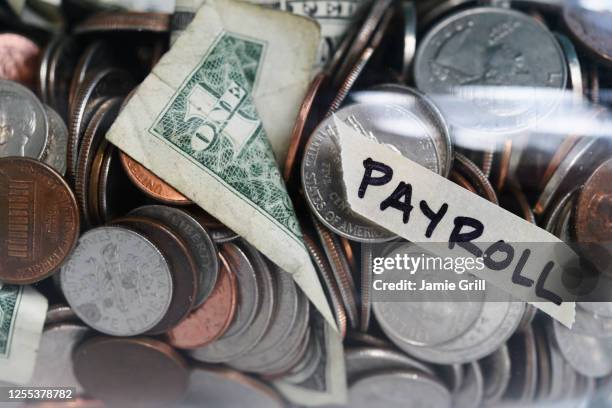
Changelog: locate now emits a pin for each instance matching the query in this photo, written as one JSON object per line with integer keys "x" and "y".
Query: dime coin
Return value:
{"x": 588, "y": 355}
{"x": 471, "y": 392}
{"x": 104, "y": 84}
{"x": 150, "y": 184}
{"x": 125, "y": 21}
{"x": 398, "y": 389}
{"x": 221, "y": 387}
{"x": 117, "y": 281}
{"x": 39, "y": 221}
{"x": 283, "y": 320}
{"x": 57, "y": 144}
{"x": 54, "y": 357}
{"x": 100, "y": 122}
{"x": 497, "y": 372}
{"x": 134, "y": 372}
{"x": 592, "y": 26}
{"x": 368, "y": 360}
{"x": 195, "y": 236}
{"x": 321, "y": 167}
{"x": 19, "y": 58}
{"x": 182, "y": 268}
{"x": 471, "y": 60}
{"x": 237, "y": 344}
{"x": 23, "y": 122}
{"x": 211, "y": 320}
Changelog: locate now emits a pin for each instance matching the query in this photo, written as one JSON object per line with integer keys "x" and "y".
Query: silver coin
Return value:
{"x": 223, "y": 235}
{"x": 400, "y": 389}
{"x": 60, "y": 313}
{"x": 57, "y": 146}
{"x": 410, "y": 27}
{"x": 438, "y": 321}
{"x": 221, "y": 388}
{"x": 497, "y": 322}
{"x": 451, "y": 375}
{"x": 23, "y": 122}
{"x": 599, "y": 309}
{"x": 367, "y": 360}
{"x": 54, "y": 358}
{"x": 307, "y": 366}
{"x": 366, "y": 284}
{"x": 117, "y": 281}
{"x": 471, "y": 392}
{"x": 496, "y": 371}
{"x": 590, "y": 356}
{"x": 197, "y": 239}
{"x": 573, "y": 64}
{"x": 471, "y": 61}
{"x": 283, "y": 320}
{"x": 253, "y": 315}
{"x": 523, "y": 356}
{"x": 557, "y": 368}
{"x": 408, "y": 113}
{"x": 286, "y": 362}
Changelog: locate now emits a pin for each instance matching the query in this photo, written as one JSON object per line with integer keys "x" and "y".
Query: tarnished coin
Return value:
{"x": 196, "y": 237}
{"x": 182, "y": 268}
{"x": 39, "y": 220}
{"x": 54, "y": 357}
{"x": 23, "y": 122}
{"x": 417, "y": 131}
{"x": 283, "y": 320}
{"x": 368, "y": 360}
{"x": 398, "y": 389}
{"x": 470, "y": 393}
{"x": 591, "y": 25}
{"x": 590, "y": 356}
{"x": 131, "y": 372}
{"x": 211, "y": 320}
{"x": 593, "y": 218}
{"x": 221, "y": 387}
{"x": 19, "y": 58}
{"x": 117, "y": 281}
{"x": 497, "y": 372}
{"x": 150, "y": 184}
{"x": 473, "y": 60}
{"x": 104, "y": 84}
{"x": 475, "y": 176}
{"x": 57, "y": 143}
{"x": 125, "y": 21}
{"x": 234, "y": 345}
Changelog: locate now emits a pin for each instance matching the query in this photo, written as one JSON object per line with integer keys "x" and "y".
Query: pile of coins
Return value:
{"x": 154, "y": 302}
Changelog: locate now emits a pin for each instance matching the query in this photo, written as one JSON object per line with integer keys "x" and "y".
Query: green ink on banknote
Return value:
{"x": 9, "y": 297}
{"x": 212, "y": 120}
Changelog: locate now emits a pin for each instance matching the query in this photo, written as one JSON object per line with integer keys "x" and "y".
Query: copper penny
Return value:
{"x": 298, "y": 132}
{"x": 594, "y": 208}
{"x": 458, "y": 179}
{"x": 504, "y": 165}
{"x": 94, "y": 182}
{"x": 125, "y": 21}
{"x": 131, "y": 372}
{"x": 470, "y": 171}
{"x": 182, "y": 266}
{"x": 150, "y": 184}
{"x": 39, "y": 220}
{"x": 211, "y": 320}
{"x": 19, "y": 58}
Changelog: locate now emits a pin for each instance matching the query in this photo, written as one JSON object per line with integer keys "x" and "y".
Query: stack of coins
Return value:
{"x": 154, "y": 302}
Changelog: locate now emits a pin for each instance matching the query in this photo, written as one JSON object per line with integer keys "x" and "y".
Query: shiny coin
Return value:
{"x": 117, "y": 281}
{"x": 221, "y": 387}
{"x": 573, "y": 63}
{"x": 195, "y": 236}
{"x": 321, "y": 167}
{"x": 211, "y": 320}
{"x": 54, "y": 357}
{"x": 23, "y": 122}
{"x": 590, "y": 356}
{"x": 57, "y": 144}
{"x": 39, "y": 221}
{"x": 363, "y": 361}
{"x": 19, "y": 58}
{"x": 182, "y": 268}
{"x": 398, "y": 389}
{"x": 150, "y": 184}
{"x": 591, "y": 25}
{"x": 472, "y": 60}
{"x": 134, "y": 372}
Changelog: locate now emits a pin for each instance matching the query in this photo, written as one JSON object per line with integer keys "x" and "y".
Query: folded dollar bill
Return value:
{"x": 22, "y": 316}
